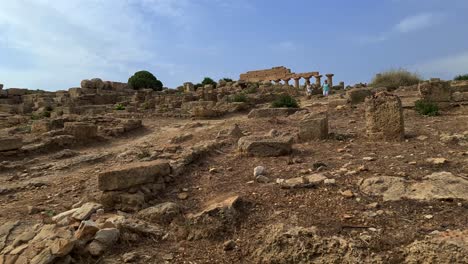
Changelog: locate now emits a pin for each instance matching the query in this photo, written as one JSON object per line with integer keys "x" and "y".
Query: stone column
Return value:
{"x": 286, "y": 81}
{"x": 318, "y": 80}
{"x": 307, "y": 80}
{"x": 384, "y": 117}
{"x": 330, "y": 79}
{"x": 296, "y": 82}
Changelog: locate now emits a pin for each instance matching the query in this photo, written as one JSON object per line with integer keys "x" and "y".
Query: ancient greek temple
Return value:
{"x": 278, "y": 74}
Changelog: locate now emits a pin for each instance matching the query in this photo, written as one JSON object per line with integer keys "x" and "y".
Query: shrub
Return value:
{"x": 45, "y": 114}
{"x": 463, "y": 77}
{"x": 426, "y": 108}
{"x": 198, "y": 85}
{"x": 144, "y": 79}
{"x": 227, "y": 79}
{"x": 119, "y": 107}
{"x": 285, "y": 100}
{"x": 239, "y": 98}
{"x": 146, "y": 105}
{"x": 393, "y": 79}
{"x": 208, "y": 80}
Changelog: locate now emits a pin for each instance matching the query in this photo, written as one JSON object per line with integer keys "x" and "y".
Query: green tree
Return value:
{"x": 208, "y": 80}
{"x": 463, "y": 77}
{"x": 144, "y": 80}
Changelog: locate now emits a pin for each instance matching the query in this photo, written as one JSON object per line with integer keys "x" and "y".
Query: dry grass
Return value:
{"x": 393, "y": 79}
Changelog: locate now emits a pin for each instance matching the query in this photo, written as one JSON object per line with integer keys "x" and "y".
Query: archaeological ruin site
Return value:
{"x": 252, "y": 170}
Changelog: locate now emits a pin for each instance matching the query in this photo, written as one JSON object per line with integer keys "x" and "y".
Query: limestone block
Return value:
{"x": 265, "y": 146}
{"x": 460, "y": 96}
{"x": 313, "y": 129}
{"x": 384, "y": 117}
{"x": 136, "y": 174}
{"x": 435, "y": 91}
{"x": 10, "y": 143}
{"x": 16, "y": 91}
{"x": 80, "y": 130}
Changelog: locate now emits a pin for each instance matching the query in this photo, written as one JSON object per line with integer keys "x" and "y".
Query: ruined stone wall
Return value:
{"x": 276, "y": 73}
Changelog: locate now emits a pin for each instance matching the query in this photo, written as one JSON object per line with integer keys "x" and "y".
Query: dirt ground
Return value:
{"x": 56, "y": 184}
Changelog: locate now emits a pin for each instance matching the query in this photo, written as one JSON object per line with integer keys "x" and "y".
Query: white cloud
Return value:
{"x": 445, "y": 67}
{"x": 406, "y": 25}
{"x": 63, "y": 42}
{"x": 417, "y": 22}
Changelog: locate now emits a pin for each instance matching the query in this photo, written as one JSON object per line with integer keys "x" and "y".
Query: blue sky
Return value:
{"x": 54, "y": 44}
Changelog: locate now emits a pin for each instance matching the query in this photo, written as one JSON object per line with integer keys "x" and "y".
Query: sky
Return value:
{"x": 54, "y": 44}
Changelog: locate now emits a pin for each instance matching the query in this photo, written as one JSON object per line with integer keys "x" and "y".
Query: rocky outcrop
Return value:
{"x": 439, "y": 185}
{"x": 282, "y": 244}
{"x": 444, "y": 247}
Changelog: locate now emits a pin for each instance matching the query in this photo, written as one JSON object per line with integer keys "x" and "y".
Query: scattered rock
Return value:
{"x": 347, "y": 194}
{"x": 262, "y": 179}
{"x": 130, "y": 257}
{"x": 183, "y": 196}
{"x": 437, "y": 161}
{"x": 163, "y": 213}
{"x": 229, "y": 245}
{"x": 329, "y": 181}
{"x": 302, "y": 182}
{"x": 85, "y": 211}
{"x": 259, "y": 170}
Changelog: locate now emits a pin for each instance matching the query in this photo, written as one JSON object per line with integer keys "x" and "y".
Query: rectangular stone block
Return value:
{"x": 10, "y": 143}
{"x": 436, "y": 91}
{"x": 124, "y": 177}
{"x": 80, "y": 130}
{"x": 265, "y": 146}
{"x": 16, "y": 91}
{"x": 460, "y": 96}
{"x": 384, "y": 117}
{"x": 313, "y": 129}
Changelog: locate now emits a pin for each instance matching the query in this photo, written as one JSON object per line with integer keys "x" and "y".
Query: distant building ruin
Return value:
{"x": 281, "y": 73}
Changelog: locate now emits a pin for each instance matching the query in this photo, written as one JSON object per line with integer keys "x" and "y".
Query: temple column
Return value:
{"x": 330, "y": 79}
{"x": 296, "y": 82}
{"x": 286, "y": 81}
{"x": 318, "y": 80}
{"x": 307, "y": 80}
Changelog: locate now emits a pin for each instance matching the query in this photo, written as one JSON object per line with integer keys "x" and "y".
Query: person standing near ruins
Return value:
{"x": 326, "y": 88}
{"x": 309, "y": 90}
